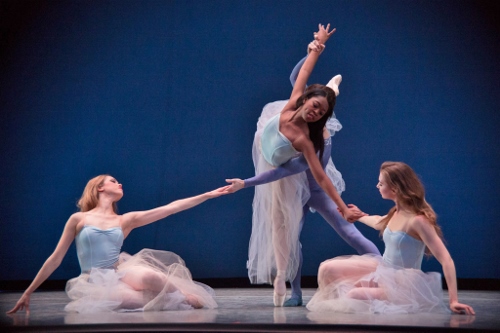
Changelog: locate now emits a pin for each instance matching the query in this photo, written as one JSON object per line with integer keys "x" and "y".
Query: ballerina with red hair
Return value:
{"x": 150, "y": 280}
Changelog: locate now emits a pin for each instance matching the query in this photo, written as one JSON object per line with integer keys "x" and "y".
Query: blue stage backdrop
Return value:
{"x": 165, "y": 96}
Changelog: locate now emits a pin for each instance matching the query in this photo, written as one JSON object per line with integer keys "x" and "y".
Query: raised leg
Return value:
{"x": 349, "y": 233}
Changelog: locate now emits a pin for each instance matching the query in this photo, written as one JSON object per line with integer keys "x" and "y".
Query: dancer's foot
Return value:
{"x": 293, "y": 301}
{"x": 334, "y": 83}
{"x": 193, "y": 301}
{"x": 279, "y": 290}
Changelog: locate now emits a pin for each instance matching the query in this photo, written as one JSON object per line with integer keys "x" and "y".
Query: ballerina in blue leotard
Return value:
{"x": 286, "y": 129}
{"x": 319, "y": 200}
{"x": 110, "y": 280}
{"x": 394, "y": 282}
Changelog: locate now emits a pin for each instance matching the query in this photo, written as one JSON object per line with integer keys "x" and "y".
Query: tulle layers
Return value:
{"x": 150, "y": 280}
{"x": 367, "y": 284}
{"x": 277, "y": 210}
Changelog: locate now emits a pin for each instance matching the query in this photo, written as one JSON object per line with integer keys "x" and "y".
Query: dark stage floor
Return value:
{"x": 244, "y": 310}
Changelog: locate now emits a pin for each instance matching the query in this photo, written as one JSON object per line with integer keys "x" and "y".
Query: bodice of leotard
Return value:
{"x": 98, "y": 248}
{"x": 402, "y": 250}
{"x": 276, "y": 148}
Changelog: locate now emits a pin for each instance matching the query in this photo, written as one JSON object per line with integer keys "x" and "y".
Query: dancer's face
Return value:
{"x": 385, "y": 190}
{"x": 111, "y": 186}
{"x": 314, "y": 108}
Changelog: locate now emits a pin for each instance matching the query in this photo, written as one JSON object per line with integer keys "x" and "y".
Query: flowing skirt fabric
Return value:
{"x": 279, "y": 202}
{"x": 403, "y": 290}
{"x": 104, "y": 290}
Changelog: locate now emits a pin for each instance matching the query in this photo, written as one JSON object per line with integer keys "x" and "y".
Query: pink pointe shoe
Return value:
{"x": 279, "y": 291}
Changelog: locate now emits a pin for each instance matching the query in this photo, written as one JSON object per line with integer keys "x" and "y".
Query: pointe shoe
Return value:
{"x": 334, "y": 84}
{"x": 279, "y": 300}
{"x": 279, "y": 292}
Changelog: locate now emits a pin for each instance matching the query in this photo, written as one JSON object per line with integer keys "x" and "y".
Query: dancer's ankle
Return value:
{"x": 295, "y": 300}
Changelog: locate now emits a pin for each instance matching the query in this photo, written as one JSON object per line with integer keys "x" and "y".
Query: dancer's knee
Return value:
{"x": 327, "y": 273}
{"x": 153, "y": 280}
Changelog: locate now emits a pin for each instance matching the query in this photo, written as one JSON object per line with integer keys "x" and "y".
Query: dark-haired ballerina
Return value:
{"x": 319, "y": 200}
{"x": 283, "y": 132}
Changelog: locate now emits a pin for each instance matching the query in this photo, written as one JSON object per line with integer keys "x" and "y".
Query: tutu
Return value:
{"x": 404, "y": 290}
{"x": 104, "y": 290}
{"x": 281, "y": 200}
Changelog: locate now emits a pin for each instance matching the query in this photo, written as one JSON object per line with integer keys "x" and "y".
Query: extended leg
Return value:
{"x": 142, "y": 278}
{"x": 327, "y": 208}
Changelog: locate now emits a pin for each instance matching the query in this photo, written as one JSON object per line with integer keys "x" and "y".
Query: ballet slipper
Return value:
{"x": 334, "y": 84}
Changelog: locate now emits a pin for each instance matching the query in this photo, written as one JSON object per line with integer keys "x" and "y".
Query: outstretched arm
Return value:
{"x": 50, "y": 264}
{"x": 304, "y": 145}
{"x": 431, "y": 239}
{"x": 371, "y": 220}
{"x": 295, "y": 72}
{"x": 292, "y": 167}
{"x": 308, "y": 66}
{"x": 134, "y": 220}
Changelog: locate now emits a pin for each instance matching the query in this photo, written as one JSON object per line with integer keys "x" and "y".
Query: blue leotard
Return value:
{"x": 393, "y": 283}
{"x": 98, "y": 248}
{"x": 276, "y": 148}
{"x": 402, "y": 250}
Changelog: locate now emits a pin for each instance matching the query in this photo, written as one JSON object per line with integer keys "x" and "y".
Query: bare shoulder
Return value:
{"x": 421, "y": 221}
{"x": 76, "y": 217}
{"x": 289, "y": 106}
{"x": 128, "y": 218}
{"x": 301, "y": 142}
{"x": 422, "y": 225}
{"x": 76, "y": 220}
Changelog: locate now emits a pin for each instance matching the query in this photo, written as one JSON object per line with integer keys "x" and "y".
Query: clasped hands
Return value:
{"x": 320, "y": 38}
{"x": 352, "y": 214}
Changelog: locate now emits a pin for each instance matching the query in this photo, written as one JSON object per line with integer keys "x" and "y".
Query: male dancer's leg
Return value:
{"x": 326, "y": 207}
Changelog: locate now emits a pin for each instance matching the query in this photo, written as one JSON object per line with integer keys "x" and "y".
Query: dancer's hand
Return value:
{"x": 218, "y": 192}
{"x": 22, "y": 304}
{"x": 323, "y": 34}
{"x": 461, "y": 308}
{"x": 353, "y": 213}
{"x": 236, "y": 185}
{"x": 315, "y": 46}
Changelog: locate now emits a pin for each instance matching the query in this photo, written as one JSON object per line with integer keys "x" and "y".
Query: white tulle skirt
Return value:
{"x": 278, "y": 205}
{"x": 105, "y": 289}
{"x": 399, "y": 290}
